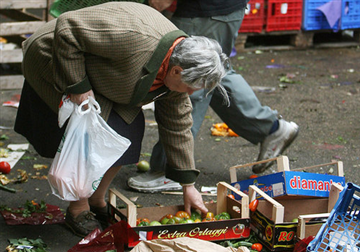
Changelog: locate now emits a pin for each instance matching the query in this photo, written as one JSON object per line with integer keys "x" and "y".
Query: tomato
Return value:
{"x": 253, "y": 205}
{"x": 195, "y": 215}
{"x": 224, "y": 216}
{"x": 231, "y": 196}
{"x": 182, "y": 215}
{"x": 143, "y": 166}
{"x": 197, "y": 220}
{"x": 140, "y": 220}
{"x": 209, "y": 215}
{"x": 5, "y": 167}
{"x": 209, "y": 219}
{"x": 257, "y": 246}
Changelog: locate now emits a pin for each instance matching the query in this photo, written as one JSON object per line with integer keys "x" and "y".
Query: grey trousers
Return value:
{"x": 245, "y": 115}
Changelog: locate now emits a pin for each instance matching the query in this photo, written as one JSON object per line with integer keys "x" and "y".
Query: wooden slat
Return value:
{"x": 11, "y": 82}
{"x": 222, "y": 193}
{"x": 19, "y": 15}
{"x": 277, "y": 210}
{"x": 130, "y": 206}
{"x": 19, "y": 28}
{"x": 11, "y": 56}
{"x": 19, "y": 4}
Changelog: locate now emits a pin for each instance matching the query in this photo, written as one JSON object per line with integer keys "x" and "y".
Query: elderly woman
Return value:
{"x": 125, "y": 55}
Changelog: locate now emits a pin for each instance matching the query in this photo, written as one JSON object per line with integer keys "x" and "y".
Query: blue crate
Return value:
{"x": 314, "y": 19}
{"x": 341, "y": 232}
{"x": 350, "y": 14}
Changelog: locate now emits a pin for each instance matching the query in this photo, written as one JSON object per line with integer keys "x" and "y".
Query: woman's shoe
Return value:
{"x": 101, "y": 214}
{"x": 83, "y": 224}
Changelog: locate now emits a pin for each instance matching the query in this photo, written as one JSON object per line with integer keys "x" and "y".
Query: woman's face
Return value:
{"x": 174, "y": 83}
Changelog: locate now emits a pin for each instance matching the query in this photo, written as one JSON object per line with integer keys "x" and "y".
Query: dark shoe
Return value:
{"x": 276, "y": 143}
{"x": 83, "y": 224}
{"x": 101, "y": 214}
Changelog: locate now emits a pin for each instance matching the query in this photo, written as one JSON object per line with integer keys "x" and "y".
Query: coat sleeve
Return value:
{"x": 174, "y": 119}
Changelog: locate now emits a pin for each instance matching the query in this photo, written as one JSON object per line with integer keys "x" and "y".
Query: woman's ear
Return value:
{"x": 175, "y": 70}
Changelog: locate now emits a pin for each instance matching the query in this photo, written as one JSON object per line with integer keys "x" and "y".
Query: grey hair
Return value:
{"x": 203, "y": 63}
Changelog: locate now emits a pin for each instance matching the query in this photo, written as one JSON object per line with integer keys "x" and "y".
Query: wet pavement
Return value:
{"x": 319, "y": 91}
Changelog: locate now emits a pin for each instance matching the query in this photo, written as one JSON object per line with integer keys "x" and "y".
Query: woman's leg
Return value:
{"x": 98, "y": 197}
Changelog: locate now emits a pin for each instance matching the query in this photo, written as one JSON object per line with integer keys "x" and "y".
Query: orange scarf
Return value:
{"x": 159, "y": 80}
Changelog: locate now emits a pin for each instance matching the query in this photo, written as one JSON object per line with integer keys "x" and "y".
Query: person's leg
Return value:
{"x": 84, "y": 215}
{"x": 245, "y": 115}
{"x": 98, "y": 198}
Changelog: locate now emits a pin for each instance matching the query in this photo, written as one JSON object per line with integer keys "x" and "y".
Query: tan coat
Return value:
{"x": 115, "y": 49}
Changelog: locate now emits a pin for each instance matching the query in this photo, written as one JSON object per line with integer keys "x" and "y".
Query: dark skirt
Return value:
{"x": 39, "y": 125}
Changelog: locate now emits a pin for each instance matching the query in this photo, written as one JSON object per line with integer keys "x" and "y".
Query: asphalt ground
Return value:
{"x": 320, "y": 93}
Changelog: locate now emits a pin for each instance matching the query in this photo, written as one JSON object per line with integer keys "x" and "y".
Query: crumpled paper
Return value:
{"x": 184, "y": 244}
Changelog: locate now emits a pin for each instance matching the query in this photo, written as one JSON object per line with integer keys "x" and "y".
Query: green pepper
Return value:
{"x": 242, "y": 243}
{"x": 143, "y": 224}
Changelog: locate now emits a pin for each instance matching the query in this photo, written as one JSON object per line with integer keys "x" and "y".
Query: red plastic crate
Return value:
{"x": 284, "y": 15}
{"x": 254, "y": 19}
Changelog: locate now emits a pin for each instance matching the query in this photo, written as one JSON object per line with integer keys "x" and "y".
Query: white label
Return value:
{"x": 284, "y": 8}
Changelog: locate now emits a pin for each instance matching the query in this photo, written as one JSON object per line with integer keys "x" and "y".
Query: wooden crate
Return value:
{"x": 238, "y": 227}
{"x": 19, "y": 19}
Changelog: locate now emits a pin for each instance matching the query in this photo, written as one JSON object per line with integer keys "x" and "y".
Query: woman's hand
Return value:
{"x": 79, "y": 98}
{"x": 193, "y": 199}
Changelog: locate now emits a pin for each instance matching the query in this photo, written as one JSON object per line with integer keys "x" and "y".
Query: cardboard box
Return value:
{"x": 236, "y": 228}
{"x": 290, "y": 183}
{"x": 273, "y": 221}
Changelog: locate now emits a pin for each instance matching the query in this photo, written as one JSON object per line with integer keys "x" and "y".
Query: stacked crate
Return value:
{"x": 314, "y": 19}
{"x": 272, "y": 15}
{"x": 17, "y": 22}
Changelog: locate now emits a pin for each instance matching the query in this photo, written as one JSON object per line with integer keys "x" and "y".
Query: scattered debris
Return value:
{"x": 221, "y": 129}
{"x": 32, "y": 213}
{"x": 263, "y": 89}
{"x": 27, "y": 245}
{"x": 275, "y": 66}
{"x": 15, "y": 153}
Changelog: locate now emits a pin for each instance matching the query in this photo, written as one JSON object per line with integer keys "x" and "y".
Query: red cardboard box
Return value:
{"x": 237, "y": 227}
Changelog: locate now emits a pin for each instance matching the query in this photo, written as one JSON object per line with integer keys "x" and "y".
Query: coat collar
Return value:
{"x": 141, "y": 93}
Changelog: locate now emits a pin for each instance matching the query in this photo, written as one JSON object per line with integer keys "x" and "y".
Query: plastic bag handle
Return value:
{"x": 92, "y": 105}
{"x": 80, "y": 109}
{"x": 95, "y": 105}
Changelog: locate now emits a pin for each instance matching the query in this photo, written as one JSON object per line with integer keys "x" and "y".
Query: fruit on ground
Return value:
{"x": 143, "y": 166}
{"x": 5, "y": 167}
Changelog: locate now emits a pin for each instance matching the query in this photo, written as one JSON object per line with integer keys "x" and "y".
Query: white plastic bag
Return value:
{"x": 87, "y": 150}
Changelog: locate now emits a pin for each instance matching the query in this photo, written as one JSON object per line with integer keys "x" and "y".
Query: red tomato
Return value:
{"x": 257, "y": 246}
{"x": 182, "y": 215}
{"x": 253, "y": 205}
{"x": 5, "y": 167}
{"x": 208, "y": 219}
